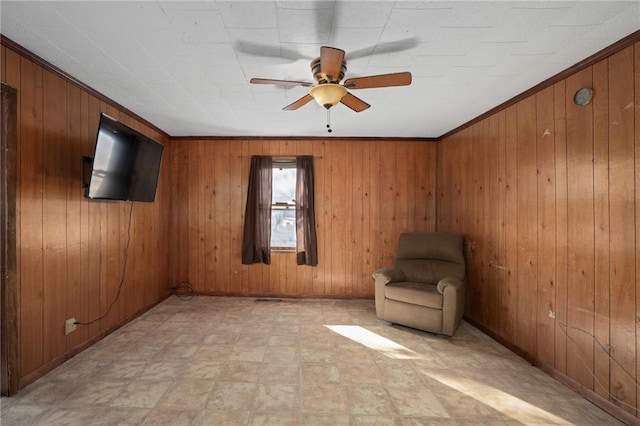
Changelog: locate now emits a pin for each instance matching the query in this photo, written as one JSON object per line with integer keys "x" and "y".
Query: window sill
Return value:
{"x": 283, "y": 250}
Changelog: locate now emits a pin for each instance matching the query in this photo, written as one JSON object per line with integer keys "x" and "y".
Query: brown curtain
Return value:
{"x": 306, "y": 240}
{"x": 257, "y": 217}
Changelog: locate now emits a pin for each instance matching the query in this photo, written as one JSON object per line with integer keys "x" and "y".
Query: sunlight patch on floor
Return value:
{"x": 503, "y": 402}
{"x": 490, "y": 396}
{"x": 374, "y": 341}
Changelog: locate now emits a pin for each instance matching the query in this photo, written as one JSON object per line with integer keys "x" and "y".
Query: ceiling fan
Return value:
{"x": 328, "y": 70}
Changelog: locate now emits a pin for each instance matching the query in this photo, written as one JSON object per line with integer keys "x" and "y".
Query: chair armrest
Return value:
{"x": 383, "y": 277}
{"x": 386, "y": 276}
{"x": 455, "y": 284}
{"x": 452, "y": 290}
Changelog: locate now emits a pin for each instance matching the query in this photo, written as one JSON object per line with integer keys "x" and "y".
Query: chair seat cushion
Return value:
{"x": 420, "y": 294}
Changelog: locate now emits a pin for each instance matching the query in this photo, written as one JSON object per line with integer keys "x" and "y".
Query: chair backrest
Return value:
{"x": 430, "y": 256}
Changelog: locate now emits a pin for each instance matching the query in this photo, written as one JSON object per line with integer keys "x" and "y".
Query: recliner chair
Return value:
{"x": 425, "y": 289}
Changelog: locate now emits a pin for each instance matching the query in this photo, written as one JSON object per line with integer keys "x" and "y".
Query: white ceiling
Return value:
{"x": 185, "y": 66}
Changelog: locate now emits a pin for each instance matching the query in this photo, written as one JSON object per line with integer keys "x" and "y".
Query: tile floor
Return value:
{"x": 238, "y": 361}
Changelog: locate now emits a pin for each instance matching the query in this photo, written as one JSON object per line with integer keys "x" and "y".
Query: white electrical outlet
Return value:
{"x": 69, "y": 326}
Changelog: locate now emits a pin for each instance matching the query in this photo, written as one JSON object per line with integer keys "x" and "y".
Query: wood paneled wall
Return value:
{"x": 70, "y": 251}
{"x": 367, "y": 193}
{"x": 552, "y": 220}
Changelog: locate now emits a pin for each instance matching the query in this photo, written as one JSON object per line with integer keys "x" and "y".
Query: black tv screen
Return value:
{"x": 126, "y": 164}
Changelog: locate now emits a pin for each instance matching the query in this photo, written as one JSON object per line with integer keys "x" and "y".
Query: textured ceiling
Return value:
{"x": 185, "y": 66}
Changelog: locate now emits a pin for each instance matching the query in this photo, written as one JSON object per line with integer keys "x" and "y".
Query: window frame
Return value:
{"x": 283, "y": 163}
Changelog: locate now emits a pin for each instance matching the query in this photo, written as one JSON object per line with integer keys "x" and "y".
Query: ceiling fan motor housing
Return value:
{"x": 320, "y": 77}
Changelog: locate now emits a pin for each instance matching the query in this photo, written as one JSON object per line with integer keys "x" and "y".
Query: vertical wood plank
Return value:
{"x": 622, "y": 236}
{"x": 546, "y": 225}
{"x": 580, "y": 224}
{"x": 30, "y": 235}
{"x": 193, "y": 213}
{"x": 527, "y": 224}
{"x": 339, "y": 224}
{"x": 559, "y": 110}
{"x": 601, "y": 217}
{"x": 357, "y": 280}
{"x": 425, "y": 187}
{"x": 367, "y": 261}
{"x": 348, "y": 217}
{"x": 387, "y": 206}
{"x": 202, "y": 187}
{"x": 405, "y": 158}
{"x": 491, "y": 226}
{"x": 209, "y": 206}
{"x": 637, "y": 196}
{"x": 509, "y": 305}
{"x": 237, "y": 210}
{"x": 54, "y": 218}
{"x": 76, "y": 291}
{"x": 375, "y": 205}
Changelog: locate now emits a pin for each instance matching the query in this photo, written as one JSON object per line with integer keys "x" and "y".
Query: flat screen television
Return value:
{"x": 125, "y": 164}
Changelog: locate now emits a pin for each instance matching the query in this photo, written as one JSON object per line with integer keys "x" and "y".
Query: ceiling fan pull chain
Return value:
{"x": 329, "y": 120}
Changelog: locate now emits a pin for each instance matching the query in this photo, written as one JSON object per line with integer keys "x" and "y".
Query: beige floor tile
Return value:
{"x": 377, "y": 421}
{"x": 123, "y": 370}
{"x": 276, "y": 398}
{"x": 282, "y": 354}
{"x": 331, "y": 399}
{"x": 247, "y": 353}
{"x": 95, "y": 393}
{"x": 231, "y": 396}
{"x": 370, "y": 400}
{"x": 22, "y": 414}
{"x": 418, "y": 402}
{"x": 273, "y": 419}
{"x": 177, "y": 352}
{"x": 223, "y": 339}
{"x": 165, "y": 417}
{"x": 320, "y": 373}
{"x": 326, "y": 419}
{"x": 70, "y": 416}
{"x": 197, "y": 369}
{"x": 364, "y": 371}
{"x": 140, "y": 393}
{"x": 47, "y": 392}
{"x": 226, "y": 418}
{"x": 280, "y": 373}
{"x": 120, "y": 416}
{"x": 240, "y": 371}
{"x": 190, "y": 394}
{"x": 162, "y": 371}
{"x": 213, "y": 352}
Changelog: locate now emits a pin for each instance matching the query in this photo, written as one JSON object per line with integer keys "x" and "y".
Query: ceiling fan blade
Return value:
{"x": 300, "y": 102}
{"x": 267, "y": 51}
{"x": 288, "y": 83}
{"x": 383, "y": 48}
{"x": 355, "y": 103}
{"x": 382, "y": 80}
{"x": 331, "y": 63}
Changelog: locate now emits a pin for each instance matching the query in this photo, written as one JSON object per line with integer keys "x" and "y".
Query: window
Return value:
{"x": 279, "y": 214}
{"x": 283, "y": 207}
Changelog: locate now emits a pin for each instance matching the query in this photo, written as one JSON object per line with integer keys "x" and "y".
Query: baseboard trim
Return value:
{"x": 56, "y": 362}
{"x": 588, "y": 394}
{"x": 286, "y": 295}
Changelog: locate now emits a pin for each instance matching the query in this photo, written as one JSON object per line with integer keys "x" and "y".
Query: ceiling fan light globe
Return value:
{"x": 328, "y": 94}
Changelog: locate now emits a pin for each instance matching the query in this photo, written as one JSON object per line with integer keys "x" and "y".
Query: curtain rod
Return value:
{"x": 282, "y": 156}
